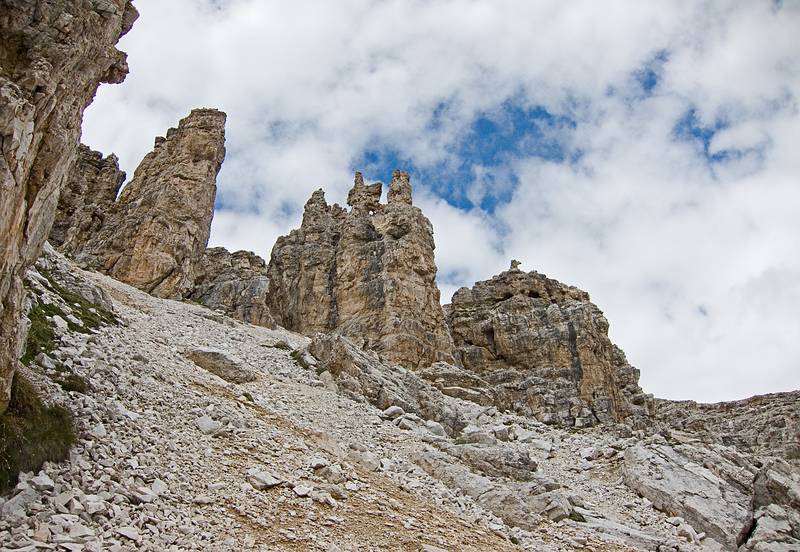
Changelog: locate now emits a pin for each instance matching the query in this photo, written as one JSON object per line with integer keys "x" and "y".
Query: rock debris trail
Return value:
{"x": 172, "y": 455}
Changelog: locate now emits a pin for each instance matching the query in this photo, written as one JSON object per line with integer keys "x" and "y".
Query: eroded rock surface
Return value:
{"x": 53, "y": 56}
{"x": 367, "y": 273}
{"x": 89, "y": 195}
{"x": 234, "y": 283}
{"x": 543, "y": 349}
{"x": 155, "y": 234}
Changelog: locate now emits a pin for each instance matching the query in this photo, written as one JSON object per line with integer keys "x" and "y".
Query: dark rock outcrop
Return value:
{"x": 53, "y": 56}
{"x": 367, "y": 273}
{"x": 155, "y": 234}
{"x": 234, "y": 283}
{"x": 544, "y": 351}
{"x": 89, "y": 195}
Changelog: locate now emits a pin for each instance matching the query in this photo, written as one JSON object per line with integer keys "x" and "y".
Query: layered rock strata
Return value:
{"x": 543, "y": 349}
{"x": 234, "y": 283}
{"x": 367, "y": 273}
{"x": 53, "y": 56}
{"x": 155, "y": 234}
{"x": 88, "y": 197}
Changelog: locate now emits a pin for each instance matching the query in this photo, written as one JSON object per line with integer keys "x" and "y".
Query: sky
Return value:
{"x": 646, "y": 152}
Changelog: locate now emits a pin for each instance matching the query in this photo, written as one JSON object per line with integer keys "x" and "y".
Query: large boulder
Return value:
{"x": 367, "y": 273}
{"x": 710, "y": 489}
{"x": 541, "y": 348}
{"x": 154, "y": 236}
{"x": 53, "y": 56}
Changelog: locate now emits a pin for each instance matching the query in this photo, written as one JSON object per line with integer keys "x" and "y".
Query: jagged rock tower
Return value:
{"x": 542, "y": 349}
{"x": 53, "y": 56}
{"x": 154, "y": 235}
{"x": 367, "y": 273}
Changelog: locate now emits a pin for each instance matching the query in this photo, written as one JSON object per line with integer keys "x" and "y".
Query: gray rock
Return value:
{"x": 207, "y": 425}
{"x": 222, "y": 364}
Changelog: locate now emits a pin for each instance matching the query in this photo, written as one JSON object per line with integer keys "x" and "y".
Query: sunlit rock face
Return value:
{"x": 53, "y": 56}
{"x": 154, "y": 236}
{"x": 367, "y": 273}
{"x": 542, "y": 349}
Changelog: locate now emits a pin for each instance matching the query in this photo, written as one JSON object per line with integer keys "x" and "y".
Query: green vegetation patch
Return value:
{"x": 92, "y": 316}
{"x": 299, "y": 359}
{"x": 31, "y": 433}
{"x": 282, "y": 345}
{"x": 41, "y": 338}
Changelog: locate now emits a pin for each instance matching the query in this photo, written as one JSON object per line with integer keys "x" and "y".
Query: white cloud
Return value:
{"x": 694, "y": 263}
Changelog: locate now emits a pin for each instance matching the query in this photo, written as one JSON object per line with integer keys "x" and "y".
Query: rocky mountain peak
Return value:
{"x": 154, "y": 234}
{"x": 367, "y": 273}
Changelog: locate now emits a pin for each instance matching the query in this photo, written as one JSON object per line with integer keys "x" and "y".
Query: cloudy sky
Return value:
{"x": 646, "y": 152}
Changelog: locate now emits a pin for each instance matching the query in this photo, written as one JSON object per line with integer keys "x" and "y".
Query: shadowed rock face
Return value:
{"x": 367, "y": 273}
{"x": 157, "y": 231}
{"x": 53, "y": 55}
{"x": 86, "y": 200}
{"x": 543, "y": 349}
{"x": 235, "y": 283}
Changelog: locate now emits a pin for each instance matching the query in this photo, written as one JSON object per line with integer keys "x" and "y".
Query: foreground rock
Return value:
{"x": 155, "y": 234}
{"x": 234, "y": 283}
{"x": 221, "y": 364}
{"x": 53, "y": 56}
{"x": 543, "y": 349}
{"x": 367, "y": 273}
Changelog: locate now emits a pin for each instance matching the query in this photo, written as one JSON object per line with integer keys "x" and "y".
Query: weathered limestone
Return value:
{"x": 543, "y": 347}
{"x": 367, "y": 273}
{"x": 234, "y": 283}
{"x": 53, "y": 55}
{"x": 222, "y": 364}
{"x": 157, "y": 231}
{"x": 89, "y": 195}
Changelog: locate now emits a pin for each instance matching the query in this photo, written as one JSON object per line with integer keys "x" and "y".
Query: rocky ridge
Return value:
{"x": 367, "y": 273}
{"x": 53, "y": 56}
{"x": 154, "y": 233}
{"x": 535, "y": 346}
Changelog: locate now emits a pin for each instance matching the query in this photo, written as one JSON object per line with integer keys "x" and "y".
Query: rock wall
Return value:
{"x": 543, "y": 348}
{"x": 53, "y": 56}
{"x": 155, "y": 234}
{"x": 235, "y": 283}
{"x": 89, "y": 195}
{"x": 367, "y": 273}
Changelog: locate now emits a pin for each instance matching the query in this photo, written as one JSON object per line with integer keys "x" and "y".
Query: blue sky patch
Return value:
{"x": 493, "y": 141}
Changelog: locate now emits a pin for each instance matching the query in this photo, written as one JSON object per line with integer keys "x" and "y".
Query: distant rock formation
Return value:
{"x": 235, "y": 283}
{"x": 367, "y": 273}
{"x": 53, "y": 56}
{"x": 543, "y": 349}
{"x": 87, "y": 199}
{"x": 155, "y": 234}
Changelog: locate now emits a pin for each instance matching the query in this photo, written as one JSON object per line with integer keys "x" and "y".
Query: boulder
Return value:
{"x": 222, "y": 364}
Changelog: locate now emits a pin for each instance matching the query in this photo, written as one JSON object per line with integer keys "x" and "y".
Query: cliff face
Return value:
{"x": 235, "y": 283}
{"x": 157, "y": 231}
{"x": 89, "y": 195}
{"x": 53, "y": 56}
{"x": 367, "y": 273}
{"x": 542, "y": 349}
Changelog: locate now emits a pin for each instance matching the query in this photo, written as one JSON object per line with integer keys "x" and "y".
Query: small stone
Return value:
{"x": 128, "y": 532}
{"x": 302, "y": 490}
{"x": 393, "y": 412}
{"x": 263, "y": 480}
{"x": 42, "y": 482}
{"x": 207, "y": 425}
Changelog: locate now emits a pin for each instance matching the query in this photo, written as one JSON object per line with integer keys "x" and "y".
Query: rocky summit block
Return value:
{"x": 155, "y": 234}
{"x": 541, "y": 348}
{"x": 53, "y": 56}
{"x": 367, "y": 273}
{"x": 234, "y": 283}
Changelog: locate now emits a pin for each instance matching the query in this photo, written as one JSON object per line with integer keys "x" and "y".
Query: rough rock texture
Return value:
{"x": 157, "y": 231}
{"x": 221, "y": 363}
{"x": 765, "y": 424}
{"x": 53, "y": 55}
{"x": 698, "y": 484}
{"x": 89, "y": 195}
{"x": 234, "y": 283}
{"x": 543, "y": 348}
{"x": 363, "y": 375}
{"x": 367, "y": 273}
